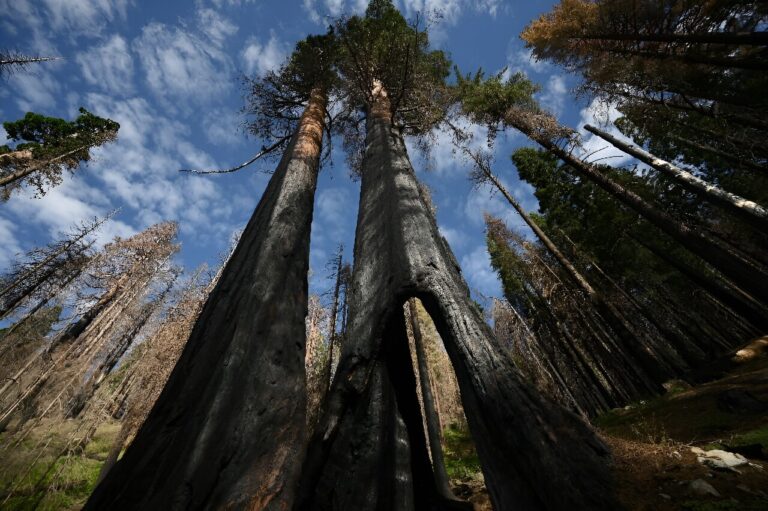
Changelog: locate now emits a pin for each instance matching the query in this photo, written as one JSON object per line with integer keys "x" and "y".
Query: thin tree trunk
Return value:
{"x": 534, "y": 454}
{"x": 735, "y": 266}
{"x": 711, "y": 111}
{"x": 12, "y": 177}
{"x": 633, "y": 343}
{"x": 430, "y": 410}
{"x": 740, "y": 162}
{"x": 570, "y": 269}
{"x": 332, "y": 323}
{"x": 227, "y": 430}
{"x": 742, "y": 302}
{"x": 50, "y": 258}
{"x": 731, "y": 38}
{"x": 88, "y": 389}
{"x": 74, "y": 330}
{"x": 723, "y": 62}
{"x": 713, "y": 193}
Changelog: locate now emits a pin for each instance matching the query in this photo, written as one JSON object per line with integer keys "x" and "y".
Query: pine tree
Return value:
{"x": 48, "y": 145}
{"x": 509, "y": 102}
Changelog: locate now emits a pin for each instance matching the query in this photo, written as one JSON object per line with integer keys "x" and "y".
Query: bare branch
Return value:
{"x": 264, "y": 151}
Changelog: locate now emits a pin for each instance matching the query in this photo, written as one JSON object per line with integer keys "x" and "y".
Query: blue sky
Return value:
{"x": 168, "y": 72}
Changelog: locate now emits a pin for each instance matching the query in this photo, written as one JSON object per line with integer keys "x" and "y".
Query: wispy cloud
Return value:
{"x": 181, "y": 67}
{"x": 108, "y": 66}
{"x": 260, "y": 58}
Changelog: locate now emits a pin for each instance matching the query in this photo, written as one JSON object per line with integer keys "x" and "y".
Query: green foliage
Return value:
{"x": 383, "y": 47}
{"x": 48, "y": 137}
{"x": 461, "y": 460}
{"x": 54, "y": 483}
{"x": 598, "y": 224}
{"x": 486, "y": 101}
{"x": 54, "y": 145}
{"x": 508, "y": 265}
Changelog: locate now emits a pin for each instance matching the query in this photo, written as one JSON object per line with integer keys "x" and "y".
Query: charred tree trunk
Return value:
{"x": 228, "y": 428}
{"x": 535, "y": 454}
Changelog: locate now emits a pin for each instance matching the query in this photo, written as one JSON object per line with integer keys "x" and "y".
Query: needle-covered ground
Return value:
{"x": 652, "y": 441}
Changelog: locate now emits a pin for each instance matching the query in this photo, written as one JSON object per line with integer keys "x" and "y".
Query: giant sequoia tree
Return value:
{"x": 228, "y": 428}
{"x": 372, "y": 425}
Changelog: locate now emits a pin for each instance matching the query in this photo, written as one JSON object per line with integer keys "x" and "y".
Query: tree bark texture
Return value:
{"x": 713, "y": 193}
{"x": 747, "y": 274}
{"x": 227, "y": 431}
{"x": 535, "y": 455}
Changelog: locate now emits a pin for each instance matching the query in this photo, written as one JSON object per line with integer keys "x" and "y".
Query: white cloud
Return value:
{"x": 448, "y": 10}
{"x": 10, "y": 247}
{"x": 521, "y": 60}
{"x": 480, "y": 276}
{"x": 84, "y": 17}
{"x": 223, "y": 127}
{"x": 554, "y": 95}
{"x": 261, "y": 58}
{"x": 215, "y": 26}
{"x": 332, "y": 209}
{"x": 220, "y": 3}
{"x": 332, "y": 8}
{"x": 109, "y": 66}
{"x": 486, "y": 199}
{"x": 36, "y": 90}
{"x": 454, "y": 237}
{"x": 595, "y": 148}
{"x": 179, "y": 66}
{"x": 65, "y": 205}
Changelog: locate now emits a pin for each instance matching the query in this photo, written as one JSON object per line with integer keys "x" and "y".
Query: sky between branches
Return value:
{"x": 168, "y": 72}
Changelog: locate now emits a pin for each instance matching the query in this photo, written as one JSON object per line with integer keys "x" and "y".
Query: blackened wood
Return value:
{"x": 535, "y": 454}
{"x": 228, "y": 429}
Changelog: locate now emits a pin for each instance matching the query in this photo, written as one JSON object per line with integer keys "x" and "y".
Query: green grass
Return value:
{"x": 53, "y": 484}
{"x": 461, "y": 460}
{"x": 755, "y": 436}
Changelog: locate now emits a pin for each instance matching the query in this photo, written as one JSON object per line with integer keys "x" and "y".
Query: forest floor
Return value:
{"x": 655, "y": 468}
{"x": 46, "y": 471}
{"x": 652, "y": 440}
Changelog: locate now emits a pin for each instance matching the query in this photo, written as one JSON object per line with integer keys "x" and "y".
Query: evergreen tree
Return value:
{"x": 48, "y": 145}
{"x": 510, "y": 103}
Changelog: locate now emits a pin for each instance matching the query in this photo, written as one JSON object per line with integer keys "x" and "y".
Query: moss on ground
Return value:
{"x": 692, "y": 415}
{"x": 461, "y": 460}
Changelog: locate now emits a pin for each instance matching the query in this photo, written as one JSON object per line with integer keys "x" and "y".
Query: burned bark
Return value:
{"x": 227, "y": 430}
{"x": 534, "y": 454}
